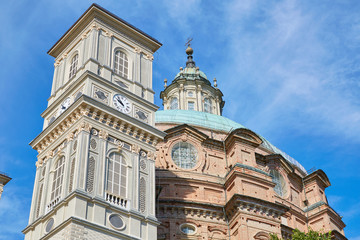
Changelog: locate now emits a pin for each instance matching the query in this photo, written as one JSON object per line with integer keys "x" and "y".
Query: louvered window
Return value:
{"x": 73, "y": 66}
{"x": 58, "y": 179}
{"x": 121, "y": 64}
{"x": 116, "y": 175}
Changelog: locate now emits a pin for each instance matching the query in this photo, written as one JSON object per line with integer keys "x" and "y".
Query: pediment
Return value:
{"x": 244, "y": 135}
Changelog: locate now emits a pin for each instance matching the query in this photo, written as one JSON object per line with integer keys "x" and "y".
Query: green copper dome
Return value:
{"x": 215, "y": 122}
{"x": 191, "y": 74}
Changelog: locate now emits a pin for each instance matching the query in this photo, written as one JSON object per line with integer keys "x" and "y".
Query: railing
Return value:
{"x": 52, "y": 204}
{"x": 117, "y": 200}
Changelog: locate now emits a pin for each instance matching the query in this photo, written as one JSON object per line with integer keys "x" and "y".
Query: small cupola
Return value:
{"x": 191, "y": 90}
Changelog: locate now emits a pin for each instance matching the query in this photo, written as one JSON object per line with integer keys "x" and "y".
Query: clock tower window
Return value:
{"x": 58, "y": 179}
{"x": 121, "y": 64}
{"x": 73, "y": 66}
{"x": 117, "y": 175}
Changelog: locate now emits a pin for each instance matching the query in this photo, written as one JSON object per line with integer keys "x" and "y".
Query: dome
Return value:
{"x": 215, "y": 122}
{"x": 191, "y": 73}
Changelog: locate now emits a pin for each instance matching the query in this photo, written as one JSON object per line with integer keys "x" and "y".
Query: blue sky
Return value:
{"x": 289, "y": 70}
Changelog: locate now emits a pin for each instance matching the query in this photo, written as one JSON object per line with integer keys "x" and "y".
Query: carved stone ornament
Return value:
{"x": 103, "y": 134}
{"x": 38, "y": 164}
{"x": 119, "y": 144}
{"x": 143, "y": 154}
{"x": 94, "y": 132}
{"x": 150, "y": 57}
{"x": 137, "y": 50}
{"x": 70, "y": 136}
{"x": 50, "y": 154}
{"x": 151, "y": 155}
{"x": 135, "y": 148}
{"x": 85, "y": 127}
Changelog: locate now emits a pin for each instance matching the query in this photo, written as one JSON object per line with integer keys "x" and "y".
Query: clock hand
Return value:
{"x": 119, "y": 100}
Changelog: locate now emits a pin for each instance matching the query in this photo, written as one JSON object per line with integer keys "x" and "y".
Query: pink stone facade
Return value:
{"x": 229, "y": 193}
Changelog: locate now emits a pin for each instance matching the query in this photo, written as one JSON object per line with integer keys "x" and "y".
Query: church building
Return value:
{"x": 111, "y": 166}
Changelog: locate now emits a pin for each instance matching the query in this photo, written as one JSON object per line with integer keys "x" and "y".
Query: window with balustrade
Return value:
{"x": 73, "y": 66}
{"x": 58, "y": 179}
{"x": 121, "y": 64}
{"x": 116, "y": 175}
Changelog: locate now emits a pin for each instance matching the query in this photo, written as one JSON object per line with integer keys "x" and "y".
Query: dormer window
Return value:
{"x": 73, "y": 66}
{"x": 174, "y": 103}
{"x": 207, "y": 105}
{"x": 121, "y": 64}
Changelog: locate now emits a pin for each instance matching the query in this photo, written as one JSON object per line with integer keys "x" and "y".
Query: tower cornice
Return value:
{"x": 97, "y": 12}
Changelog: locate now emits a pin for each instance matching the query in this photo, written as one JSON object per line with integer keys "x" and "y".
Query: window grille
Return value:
{"x": 58, "y": 178}
{"x": 184, "y": 155}
{"x": 73, "y": 66}
{"x": 121, "y": 64}
{"x": 117, "y": 175}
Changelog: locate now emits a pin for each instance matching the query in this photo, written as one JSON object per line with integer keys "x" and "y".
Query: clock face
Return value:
{"x": 122, "y": 104}
{"x": 64, "y": 105}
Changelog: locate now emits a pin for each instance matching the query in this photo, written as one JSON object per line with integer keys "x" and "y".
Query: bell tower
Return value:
{"x": 95, "y": 171}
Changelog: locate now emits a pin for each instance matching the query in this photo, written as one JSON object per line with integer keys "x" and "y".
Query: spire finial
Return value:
{"x": 189, "y": 51}
{"x": 215, "y": 82}
{"x": 165, "y": 83}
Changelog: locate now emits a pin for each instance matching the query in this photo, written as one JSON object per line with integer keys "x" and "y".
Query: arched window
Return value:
{"x": 116, "y": 175}
{"x": 207, "y": 105}
{"x": 58, "y": 179}
{"x": 121, "y": 64}
{"x": 73, "y": 66}
{"x": 278, "y": 179}
{"x": 174, "y": 103}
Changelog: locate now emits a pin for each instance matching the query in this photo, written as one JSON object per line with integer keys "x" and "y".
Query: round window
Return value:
{"x": 184, "y": 155}
{"x": 188, "y": 229}
{"x": 116, "y": 221}
{"x": 49, "y": 225}
{"x": 278, "y": 179}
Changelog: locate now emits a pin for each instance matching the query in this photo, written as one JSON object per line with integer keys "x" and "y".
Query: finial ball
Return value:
{"x": 189, "y": 50}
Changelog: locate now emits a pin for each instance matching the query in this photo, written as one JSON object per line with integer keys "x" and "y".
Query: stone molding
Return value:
{"x": 86, "y": 110}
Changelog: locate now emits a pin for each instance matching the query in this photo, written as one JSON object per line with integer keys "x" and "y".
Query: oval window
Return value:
{"x": 188, "y": 229}
{"x": 49, "y": 225}
{"x": 116, "y": 221}
{"x": 184, "y": 155}
{"x": 279, "y": 180}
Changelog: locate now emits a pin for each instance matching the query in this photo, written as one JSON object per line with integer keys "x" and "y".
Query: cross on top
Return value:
{"x": 188, "y": 43}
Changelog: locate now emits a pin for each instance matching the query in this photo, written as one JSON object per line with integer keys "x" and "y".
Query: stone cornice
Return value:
{"x": 97, "y": 12}
{"x": 233, "y": 173}
{"x": 318, "y": 175}
{"x": 176, "y": 208}
{"x": 254, "y": 206}
{"x": 90, "y": 108}
{"x": 242, "y": 135}
{"x": 184, "y": 128}
{"x": 329, "y": 211}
